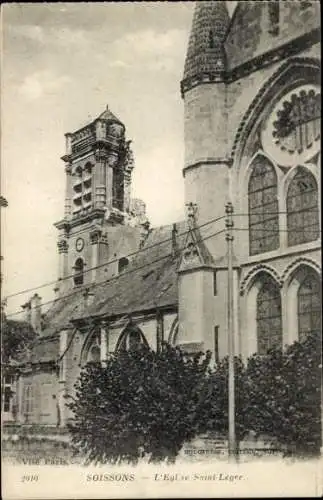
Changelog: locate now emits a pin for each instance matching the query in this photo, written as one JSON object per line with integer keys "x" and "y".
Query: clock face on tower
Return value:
{"x": 79, "y": 244}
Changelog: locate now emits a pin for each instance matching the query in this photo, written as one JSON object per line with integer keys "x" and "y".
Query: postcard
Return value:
{"x": 161, "y": 250}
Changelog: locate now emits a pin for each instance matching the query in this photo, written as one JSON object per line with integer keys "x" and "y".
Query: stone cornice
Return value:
{"x": 209, "y": 77}
{"x": 277, "y": 54}
{"x": 197, "y": 267}
{"x": 144, "y": 314}
{"x": 291, "y": 48}
{"x": 97, "y": 213}
{"x": 62, "y": 224}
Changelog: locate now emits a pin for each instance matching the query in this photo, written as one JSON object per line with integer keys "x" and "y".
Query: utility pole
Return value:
{"x": 231, "y": 383}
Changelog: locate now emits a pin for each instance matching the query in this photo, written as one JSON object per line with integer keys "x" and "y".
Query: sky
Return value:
{"x": 62, "y": 64}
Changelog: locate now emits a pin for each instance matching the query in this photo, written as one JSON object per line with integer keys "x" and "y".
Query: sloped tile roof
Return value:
{"x": 150, "y": 280}
{"x": 109, "y": 116}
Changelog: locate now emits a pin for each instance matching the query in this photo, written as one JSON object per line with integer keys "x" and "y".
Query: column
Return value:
{"x": 100, "y": 188}
{"x": 19, "y": 399}
{"x": 289, "y": 312}
{"x": 95, "y": 236}
{"x": 68, "y": 192}
{"x": 236, "y": 312}
{"x": 128, "y": 166}
{"x": 112, "y": 160}
{"x": 63, "y": 258}
{"x": 127, "y": 190}
{"x": 104, "y": 343}
{"x": 160, "y": 330}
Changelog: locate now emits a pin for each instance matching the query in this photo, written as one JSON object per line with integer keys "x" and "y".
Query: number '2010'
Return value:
{"x": 29, "y": 478}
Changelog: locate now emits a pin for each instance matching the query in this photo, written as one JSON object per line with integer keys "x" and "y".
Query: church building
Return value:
{"x": 252, "y": 111}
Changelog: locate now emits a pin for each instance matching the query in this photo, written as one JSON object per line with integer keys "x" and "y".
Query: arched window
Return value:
{"x": 309, "y": 306}
{"x": 94, "y": 354}
{"x": 263, "y": 207}
{"x": 131, "y": 339}
{"x": 79, "y": 272}
{"x": 269, "y": 321}
{"x": 302, "y": 208}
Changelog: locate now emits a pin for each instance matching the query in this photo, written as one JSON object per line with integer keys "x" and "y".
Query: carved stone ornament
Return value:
{"x": 191, "y": 214}
{"x": 116, "y": 130}
{"x": 62, "y": 246}
{"x": 112, "y": 160}
{"x": 95, "y": 236}
{"x": 68, "y": 169}
{"x": 191, "y": 255}
{"x": 129, "y": 162}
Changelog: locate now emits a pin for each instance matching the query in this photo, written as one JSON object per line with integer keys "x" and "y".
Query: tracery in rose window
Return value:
{"x": 298, "y": 123}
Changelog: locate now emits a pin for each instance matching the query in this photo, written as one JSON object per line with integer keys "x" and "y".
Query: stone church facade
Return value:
{"x": 251, "y": 94}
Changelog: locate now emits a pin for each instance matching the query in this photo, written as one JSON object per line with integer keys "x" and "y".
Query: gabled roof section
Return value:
{"x": 195, "y": 254}
{"x": 205, "y": 58}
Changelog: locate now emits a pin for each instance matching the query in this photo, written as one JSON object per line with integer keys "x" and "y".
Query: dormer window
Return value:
{"x": 79, "y": 272}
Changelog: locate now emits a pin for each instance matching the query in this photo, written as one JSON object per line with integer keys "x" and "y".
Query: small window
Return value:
{"x": 79, "y": 272}
{"x": 122, "y": 264}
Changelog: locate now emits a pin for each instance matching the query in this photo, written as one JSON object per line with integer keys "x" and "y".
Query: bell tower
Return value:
{"x": 203, "y": 90}
{"x": 98, "y": 166}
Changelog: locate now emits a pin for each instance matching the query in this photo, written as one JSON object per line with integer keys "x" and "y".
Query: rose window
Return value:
{"x": 292, "y": 132}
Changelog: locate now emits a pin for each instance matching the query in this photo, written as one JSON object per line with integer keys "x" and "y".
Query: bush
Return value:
{"x": 142, "y": 402}
{"x": 151, "y": 403}
{"x": 283, "y": 395}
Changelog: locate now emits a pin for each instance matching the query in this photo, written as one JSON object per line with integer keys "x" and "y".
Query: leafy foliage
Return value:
{"x": 283, "y": 395}
{"x": 16, "y": 336}
{"x": 141, "y": 402}
{"x": 147, "y": 402}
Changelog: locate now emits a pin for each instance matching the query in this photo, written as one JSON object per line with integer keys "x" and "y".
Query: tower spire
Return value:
{"x": 205, "y": 58}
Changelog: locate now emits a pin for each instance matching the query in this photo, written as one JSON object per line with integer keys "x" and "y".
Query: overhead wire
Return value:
{"x": 94, "y": 285}
{"x": 112, "y": 261}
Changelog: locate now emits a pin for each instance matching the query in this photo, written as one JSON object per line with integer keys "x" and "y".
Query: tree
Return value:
{"x": 283, "y": 395}
{"x": 142, "y": 402}
{"x": 147, "y": 402}
{"x": 16, "y": 336}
